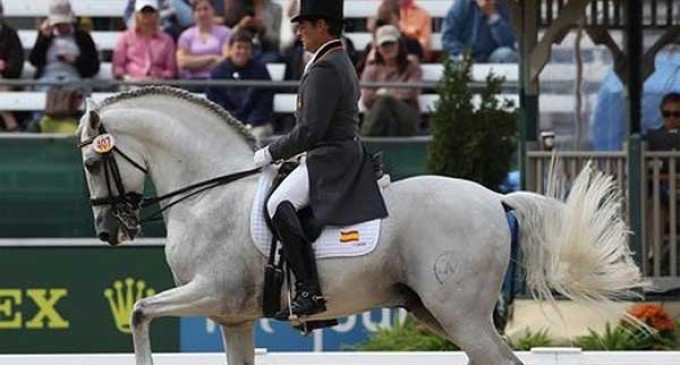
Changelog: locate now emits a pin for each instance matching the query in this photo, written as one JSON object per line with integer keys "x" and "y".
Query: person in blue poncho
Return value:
{"x": 608, "y": 124}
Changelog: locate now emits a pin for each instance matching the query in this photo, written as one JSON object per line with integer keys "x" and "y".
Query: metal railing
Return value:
{"x": 660, "y": 193}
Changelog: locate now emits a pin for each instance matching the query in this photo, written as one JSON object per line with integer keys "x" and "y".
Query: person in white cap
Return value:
{"x": 11, "y": 64}
{"x": 63, "y": 52}
{"x": 175, "y": 15}
{"x": 145, "y": 51}
{"x": 391, "y": 111}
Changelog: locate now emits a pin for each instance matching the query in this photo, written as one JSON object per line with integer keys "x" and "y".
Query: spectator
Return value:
{"x": 11, "y": 64}
{"x": 608, "y": 120}
{"x": 62, "y": 52}
{"x": 175, "y": 16}
{"x": 482, "y": 27}
{"x": 263, "y": 19}
{"x": 252, "y": 106}
{"x": 415, "y": 22}
{"x": 391, "y": 111}
{"x": 667, "y": 137}
{"x": 388, "y": 14}
{"x": 144, "y": 51}
{"x": 203, "y": 46}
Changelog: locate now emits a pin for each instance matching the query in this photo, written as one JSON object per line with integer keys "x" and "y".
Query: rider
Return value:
{"x": 336, "y": 178}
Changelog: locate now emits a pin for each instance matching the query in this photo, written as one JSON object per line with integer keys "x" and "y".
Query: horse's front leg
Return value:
{"x": 192, "y": 299}
{"x": 241, "y": 343}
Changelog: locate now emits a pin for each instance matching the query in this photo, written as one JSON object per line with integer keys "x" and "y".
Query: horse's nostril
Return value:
{"x": 104, "y": 236}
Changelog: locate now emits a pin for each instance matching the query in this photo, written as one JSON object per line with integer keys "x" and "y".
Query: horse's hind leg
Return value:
{"x": 473, "y": 331}
{"x": 189, "y": 299}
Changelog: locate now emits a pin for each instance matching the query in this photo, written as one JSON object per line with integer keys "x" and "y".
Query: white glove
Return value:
{"x": 262, "y": 157}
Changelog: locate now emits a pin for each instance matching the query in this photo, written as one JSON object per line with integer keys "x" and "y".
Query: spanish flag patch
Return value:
{"x": 349, "y": 236}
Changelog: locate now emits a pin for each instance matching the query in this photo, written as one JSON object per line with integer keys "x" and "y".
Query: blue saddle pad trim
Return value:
{"x": 509, "y": 280}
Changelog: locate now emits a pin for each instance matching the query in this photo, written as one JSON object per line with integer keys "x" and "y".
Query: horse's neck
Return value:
{"x": 181, "y": 153}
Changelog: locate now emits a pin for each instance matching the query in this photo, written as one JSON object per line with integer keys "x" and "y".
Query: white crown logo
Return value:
{"x": 122, "y": 300}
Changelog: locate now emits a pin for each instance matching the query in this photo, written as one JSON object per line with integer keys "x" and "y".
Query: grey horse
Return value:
{"x": 442, "y": 253}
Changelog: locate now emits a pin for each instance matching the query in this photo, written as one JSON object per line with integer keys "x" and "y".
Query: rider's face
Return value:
{"x": 312, "y": 34}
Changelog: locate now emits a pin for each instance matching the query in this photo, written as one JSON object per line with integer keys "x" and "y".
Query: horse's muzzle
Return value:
{"x": 107, "y": 227}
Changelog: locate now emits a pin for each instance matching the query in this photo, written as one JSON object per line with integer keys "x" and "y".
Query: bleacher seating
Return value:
{"x": 276, "y": 71}
{"x": 283, "y": 103}
{"x": 109, "y": 8}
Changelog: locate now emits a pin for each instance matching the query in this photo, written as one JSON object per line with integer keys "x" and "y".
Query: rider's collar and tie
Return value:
{"x": 333, "y": 44}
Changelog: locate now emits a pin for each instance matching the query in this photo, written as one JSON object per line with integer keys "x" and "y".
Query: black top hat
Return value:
{"x": 315, "y": 9}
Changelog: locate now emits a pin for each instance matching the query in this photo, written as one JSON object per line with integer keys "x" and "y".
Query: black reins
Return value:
{"x": 130, "y": 200}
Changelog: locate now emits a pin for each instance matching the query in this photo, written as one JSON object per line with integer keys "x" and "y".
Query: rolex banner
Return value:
{"x": 79, "y": 299}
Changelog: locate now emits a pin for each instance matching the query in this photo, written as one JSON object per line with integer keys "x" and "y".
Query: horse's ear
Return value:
{"x": 91, "y": 110}
{"x": 95, "y": 121}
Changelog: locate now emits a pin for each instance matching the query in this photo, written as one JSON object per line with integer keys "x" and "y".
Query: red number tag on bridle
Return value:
{"x": 103, "y": 143}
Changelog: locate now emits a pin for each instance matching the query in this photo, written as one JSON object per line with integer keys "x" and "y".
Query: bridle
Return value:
{"x": 125, "y": 204}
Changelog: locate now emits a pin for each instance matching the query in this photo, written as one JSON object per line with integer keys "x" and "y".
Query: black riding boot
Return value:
{"x": 299, "y": 255}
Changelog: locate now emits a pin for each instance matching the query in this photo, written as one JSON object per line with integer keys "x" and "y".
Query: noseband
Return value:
{"x": 124, "y": 204}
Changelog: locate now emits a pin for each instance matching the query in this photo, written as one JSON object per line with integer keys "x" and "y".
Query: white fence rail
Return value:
{"x": 538, "y": 356}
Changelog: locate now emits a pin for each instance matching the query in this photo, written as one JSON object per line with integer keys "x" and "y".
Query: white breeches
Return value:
{"x": 294, "y": 188}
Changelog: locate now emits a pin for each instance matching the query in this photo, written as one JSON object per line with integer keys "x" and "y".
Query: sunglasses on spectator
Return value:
{"x": 668, "y": 114}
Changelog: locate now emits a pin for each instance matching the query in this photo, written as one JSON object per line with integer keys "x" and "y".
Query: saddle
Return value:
{"x": 275, "y": 274}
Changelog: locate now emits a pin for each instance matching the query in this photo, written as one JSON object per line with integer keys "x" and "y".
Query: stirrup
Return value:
{"x": 304, "y": 304}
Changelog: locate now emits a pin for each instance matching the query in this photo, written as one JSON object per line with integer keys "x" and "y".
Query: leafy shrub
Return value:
{"x": 471, "y": 143}
{"x": 408, "y": 336}
{"x": 660, "y": 335}
{"x": 616, "y": 338}
{"x": 532, "y": 339}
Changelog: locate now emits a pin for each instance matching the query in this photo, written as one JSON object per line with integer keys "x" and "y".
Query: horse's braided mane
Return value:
{"x": 185, "y": 95}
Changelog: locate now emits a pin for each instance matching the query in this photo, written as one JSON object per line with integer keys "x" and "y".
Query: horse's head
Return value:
{"x": 115, "y": 178}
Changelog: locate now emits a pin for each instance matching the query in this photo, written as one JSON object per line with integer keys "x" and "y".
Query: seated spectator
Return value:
{"x": 175, "y": 16}
{"x": 608, "y": 130}
{"x": 388, "y": 14}
{"x": 11, "y": 64}
{"x": 144, "y": 51}
{"x": 263, "y": 19}
{"x": 667, "y": 137}
{"x": 481, "y": 27}
{"x": 63, "y": 53}
{"x": 416, "y": 23}
{"x": 391, "y": 111}
{"x": 252, "y": 106}
{"x": 203, "y": 46}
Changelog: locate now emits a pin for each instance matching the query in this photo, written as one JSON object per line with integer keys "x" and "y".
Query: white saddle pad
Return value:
{"x": 355, "y": 240}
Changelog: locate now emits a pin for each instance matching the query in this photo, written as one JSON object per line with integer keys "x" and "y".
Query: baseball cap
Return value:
{"x": 141, "y": 4}
{"x": 60, "y": 12}
{"x": 387, "y": 33}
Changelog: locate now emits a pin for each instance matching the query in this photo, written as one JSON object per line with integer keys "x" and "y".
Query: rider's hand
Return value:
{"x": 262, "y": 157}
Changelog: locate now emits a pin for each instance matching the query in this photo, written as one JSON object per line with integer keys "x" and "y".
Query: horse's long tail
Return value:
{"x": 579, "y": 247}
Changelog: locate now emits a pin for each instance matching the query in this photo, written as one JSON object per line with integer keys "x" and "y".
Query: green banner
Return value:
{"x": 43, "y": 191}
{"x": 79, "y": 299}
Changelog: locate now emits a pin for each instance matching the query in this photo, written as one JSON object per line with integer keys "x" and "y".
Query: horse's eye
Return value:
{"x": 93, "y": 165}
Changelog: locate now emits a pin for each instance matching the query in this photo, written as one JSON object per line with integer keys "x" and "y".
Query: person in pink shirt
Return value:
{"x": 203, "y": 46}
{"x": 145, "y": 52}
